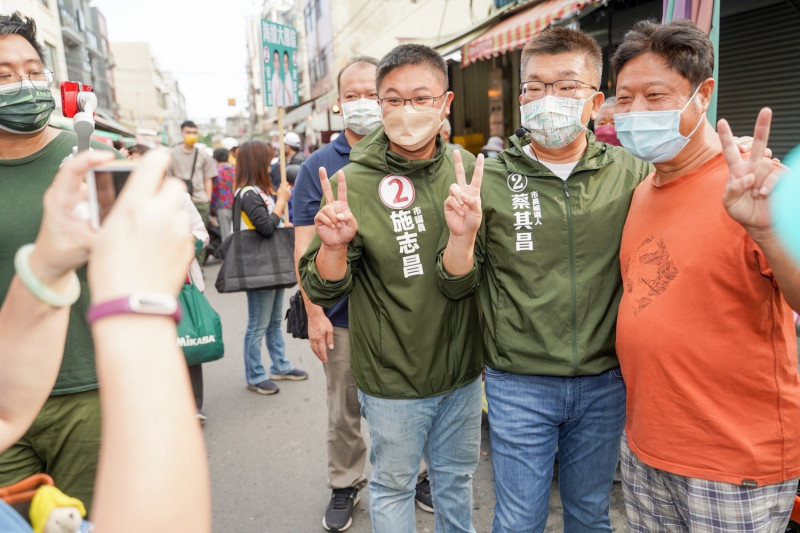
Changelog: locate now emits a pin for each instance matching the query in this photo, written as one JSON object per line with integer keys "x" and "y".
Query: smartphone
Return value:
{"x": 105, "y": 182}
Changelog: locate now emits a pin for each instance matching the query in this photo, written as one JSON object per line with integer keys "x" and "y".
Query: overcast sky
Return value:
{"x": 201, "y": 41}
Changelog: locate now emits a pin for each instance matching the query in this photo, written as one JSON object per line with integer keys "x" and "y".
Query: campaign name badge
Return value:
{"x": 396, "y": 192}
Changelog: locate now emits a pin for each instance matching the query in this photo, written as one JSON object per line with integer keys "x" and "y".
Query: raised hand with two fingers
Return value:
{"x": 335, "y": 223}
{"x": 462, "y": 208}
{"x": 751, "y": 179}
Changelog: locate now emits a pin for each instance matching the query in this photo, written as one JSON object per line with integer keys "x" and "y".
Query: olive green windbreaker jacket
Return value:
{"x": 407, "y": 340}
{"x": 547, "y": 260}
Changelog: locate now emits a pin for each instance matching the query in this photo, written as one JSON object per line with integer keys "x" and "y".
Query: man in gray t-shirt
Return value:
{"x": 196, "y": 169}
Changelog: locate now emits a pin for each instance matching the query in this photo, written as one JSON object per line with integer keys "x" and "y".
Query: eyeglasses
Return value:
{"x": 533, "y": 90}
{"x": 417, "y": 102}
{"x": 40, "y": 78}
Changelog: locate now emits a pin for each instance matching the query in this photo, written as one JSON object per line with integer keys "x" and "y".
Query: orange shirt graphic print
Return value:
{"x": 649, "y": 273}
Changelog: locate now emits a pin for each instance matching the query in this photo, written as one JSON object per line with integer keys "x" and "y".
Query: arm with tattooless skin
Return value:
{"x": 153, "y": 473}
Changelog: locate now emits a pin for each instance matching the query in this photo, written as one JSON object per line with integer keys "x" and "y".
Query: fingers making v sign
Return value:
{"x": 752, "y": 178}
{"x": 462, "y": 209}
{"x": 335, "y": 223}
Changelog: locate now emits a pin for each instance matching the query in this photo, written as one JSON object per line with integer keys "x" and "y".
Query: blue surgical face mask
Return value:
{"x": 654, "y": 136}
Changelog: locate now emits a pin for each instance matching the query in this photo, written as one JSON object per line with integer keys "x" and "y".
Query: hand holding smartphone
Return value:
{"x": 105, "y": 182}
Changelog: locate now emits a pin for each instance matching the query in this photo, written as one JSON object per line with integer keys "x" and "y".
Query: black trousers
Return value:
{"x": 196, "y": 377}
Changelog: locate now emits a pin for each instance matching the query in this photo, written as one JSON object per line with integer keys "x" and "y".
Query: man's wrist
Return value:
{"x": 762, "y": 236}
{"x": 336, "y": 250}
{"x": 314, "y": 311}
{"x": 463, "y": 243}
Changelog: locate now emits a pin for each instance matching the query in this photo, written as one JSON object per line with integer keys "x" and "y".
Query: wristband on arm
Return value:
{"x": 40, "y": 290}
{"x": 141, "y": 303}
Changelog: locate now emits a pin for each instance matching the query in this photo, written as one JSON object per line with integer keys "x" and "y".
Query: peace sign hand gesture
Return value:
{"x": 751, "y": 180}
{"x": 462, "y": 209}
{"x": 335, "y": 223}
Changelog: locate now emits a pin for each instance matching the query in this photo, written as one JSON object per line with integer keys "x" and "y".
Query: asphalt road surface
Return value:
{"x": 267, "y": 453}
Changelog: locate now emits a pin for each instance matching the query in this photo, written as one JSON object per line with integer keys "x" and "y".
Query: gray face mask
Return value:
{"x": 27, "y": 111}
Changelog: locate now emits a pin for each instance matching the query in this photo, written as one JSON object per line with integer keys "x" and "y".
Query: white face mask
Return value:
{"x": 554, "y": 122}
{"x": 363, "y": 116}
{"x": 654, "y": 136}
{"x": 412, "y": 128}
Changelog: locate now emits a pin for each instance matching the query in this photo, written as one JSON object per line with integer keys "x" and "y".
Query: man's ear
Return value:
{"x": 705, "y": 91}
{"x": 597, "y": 102}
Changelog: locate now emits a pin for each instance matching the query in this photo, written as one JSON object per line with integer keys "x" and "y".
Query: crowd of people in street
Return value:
{"x": 619, "y": 295}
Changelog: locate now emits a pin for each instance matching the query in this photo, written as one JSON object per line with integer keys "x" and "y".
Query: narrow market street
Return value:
{"x": 267, "y": 453}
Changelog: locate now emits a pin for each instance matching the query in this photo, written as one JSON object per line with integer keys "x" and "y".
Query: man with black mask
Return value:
{"x": 67, "y": 429}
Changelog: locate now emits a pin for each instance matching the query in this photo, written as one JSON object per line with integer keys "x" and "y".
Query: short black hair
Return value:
{"x": 685, "y": 48}
{"x": 558, "y": 40}
{"x": 412, "y": 54}
{"x": 18, "y": 24}
{"x": 188, "y": 124}
{"x": 221, "y": 154}
{"x": 357, "y": 60}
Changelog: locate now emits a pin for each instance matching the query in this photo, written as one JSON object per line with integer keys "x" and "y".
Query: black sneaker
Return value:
{"x": 423, "y": 496}
{"x": 339, "y": 514}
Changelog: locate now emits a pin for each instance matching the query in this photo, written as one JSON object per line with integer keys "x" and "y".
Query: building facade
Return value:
{"x": 753, "y": 72}
{"x": 148, "y": 99}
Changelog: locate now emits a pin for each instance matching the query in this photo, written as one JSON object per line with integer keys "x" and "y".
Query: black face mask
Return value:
{"x": 28, "y": 111}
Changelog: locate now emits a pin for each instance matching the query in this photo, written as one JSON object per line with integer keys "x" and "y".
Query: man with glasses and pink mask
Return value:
{"x": 416, "y": 355}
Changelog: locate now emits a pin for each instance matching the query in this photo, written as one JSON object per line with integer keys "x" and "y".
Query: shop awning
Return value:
{"x": 103, "y": 121}
{"x": 513, "y": 32}
{"x": 298, "y": 114}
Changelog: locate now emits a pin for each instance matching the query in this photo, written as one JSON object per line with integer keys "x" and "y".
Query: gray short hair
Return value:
{"x": 357, "y": 60}
{"x": 558, "y": 40}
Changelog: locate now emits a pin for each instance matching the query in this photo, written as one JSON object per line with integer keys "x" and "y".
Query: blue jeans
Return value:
{"x": 264, "y": 315}
{"x": 446, "y": 431}
{"x": 532, "y": 417}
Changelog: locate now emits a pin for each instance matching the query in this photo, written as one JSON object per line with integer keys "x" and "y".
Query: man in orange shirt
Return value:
{"x": 705, "y": 336}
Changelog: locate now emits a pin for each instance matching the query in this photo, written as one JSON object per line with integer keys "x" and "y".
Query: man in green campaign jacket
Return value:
{"x": 546, "y": 268}
{"x": 416, "y": 355}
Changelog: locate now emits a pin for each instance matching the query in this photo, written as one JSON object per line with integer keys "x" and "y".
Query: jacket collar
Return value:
{"x": 597, "y": 155}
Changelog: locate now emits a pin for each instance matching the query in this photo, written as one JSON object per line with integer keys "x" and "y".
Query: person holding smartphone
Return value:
{"x": 151, "y": 442}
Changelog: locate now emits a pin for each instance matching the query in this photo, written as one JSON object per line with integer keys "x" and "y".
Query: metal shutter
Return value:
{"x": 759, "y": 65}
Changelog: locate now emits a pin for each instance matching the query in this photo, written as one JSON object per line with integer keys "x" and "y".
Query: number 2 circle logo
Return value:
{"x": 517, "y": 182}
{"x": 396, "y": 192}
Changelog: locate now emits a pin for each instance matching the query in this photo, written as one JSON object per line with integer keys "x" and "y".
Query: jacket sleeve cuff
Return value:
{"x": 321, "y": 291}
{"x": 456, "y": 287}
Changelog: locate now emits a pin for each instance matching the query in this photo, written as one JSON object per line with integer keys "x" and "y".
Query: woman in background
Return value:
{"x": 264, "y": 307}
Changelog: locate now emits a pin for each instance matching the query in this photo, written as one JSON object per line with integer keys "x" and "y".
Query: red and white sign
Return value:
{"x": 396, "y": 192}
